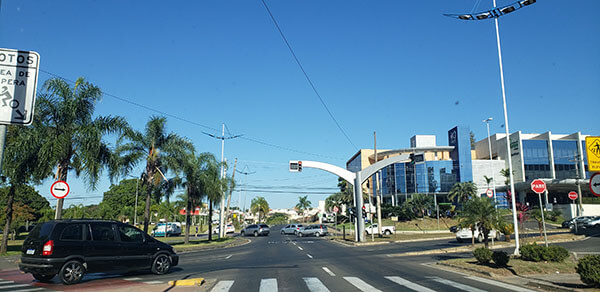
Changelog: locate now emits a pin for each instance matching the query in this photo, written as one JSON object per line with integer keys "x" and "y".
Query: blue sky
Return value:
{"x": 396, "y": 67}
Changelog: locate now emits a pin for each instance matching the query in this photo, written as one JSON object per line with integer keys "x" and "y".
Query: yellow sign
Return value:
{"x": 592, "y": 147}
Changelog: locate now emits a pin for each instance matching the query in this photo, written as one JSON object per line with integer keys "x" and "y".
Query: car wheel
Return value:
{"x": 255, "y": 233}
{"x": 479, "y": 238}
{"x": 44, "y": 278}
{"x": 317, "y": 234}
{"x": 387, "y": 232}
{"x": 458, "y": 240}
{"x": 161, "y": 264}
{"x": 282, "y": 233}
{"x": 242, "y": 233}
{"x": 71, "y": 272}
{"x": 296, "y": 232}
{"x": 300, "y": 234}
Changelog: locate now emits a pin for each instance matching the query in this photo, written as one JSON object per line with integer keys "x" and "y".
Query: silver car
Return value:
{"x": 256, "y": 230}
{"x": 291, "y": 229}
{"x": 316, "y": 230}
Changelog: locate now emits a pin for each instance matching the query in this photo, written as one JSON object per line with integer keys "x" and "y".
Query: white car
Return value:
{"x": 291, "y": 229}
{"x": 387, "y": 230}
{"x": 465, "y": 234}
{"x": 594, "y": 222}
{"x": 228, "y": 229}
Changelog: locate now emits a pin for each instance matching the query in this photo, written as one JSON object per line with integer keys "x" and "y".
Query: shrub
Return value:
{"x": 588, "y": 269}
{"x": 555, "y": 253}
{"x": 538, "y": 253}
{"x": 500, "y": 258}
{"x": 531, "y": 252}
{"x": 483, "y": 255}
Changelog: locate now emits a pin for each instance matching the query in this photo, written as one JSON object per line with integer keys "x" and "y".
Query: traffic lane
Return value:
{"x": 355, "y": 262}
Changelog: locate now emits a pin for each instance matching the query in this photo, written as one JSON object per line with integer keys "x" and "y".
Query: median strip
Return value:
{"x": 187, "y": 282}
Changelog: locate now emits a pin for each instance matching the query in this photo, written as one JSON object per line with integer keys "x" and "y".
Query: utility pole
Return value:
{"x": 378, "y": 193}
{"x": 222, "y": 204}
{"x": 231, "y": 189}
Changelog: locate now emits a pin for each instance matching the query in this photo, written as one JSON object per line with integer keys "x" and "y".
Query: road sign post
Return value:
{"x": 539, "y": 187}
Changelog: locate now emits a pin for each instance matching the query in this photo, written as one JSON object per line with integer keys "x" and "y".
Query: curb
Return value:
{"x": 187, "y": 282}
{"x": 235, "y": 243}
{"x": 352, "y": 243}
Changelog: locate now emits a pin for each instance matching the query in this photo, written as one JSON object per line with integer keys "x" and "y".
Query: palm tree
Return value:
{"x": 419, "y": 203}
{"x": 259, "y": 205}
{"x": 212, "y": 186}
{"x": 196, "y": 172}
{"x": 162, "y": 152}
{"x": 303, "y": 204}
{"x": 506, "y": 174}
{"x": 20, "y": 160}
{"x": 72, "y": 138}
{"x": 488, "y": 180}
{"x": 462, "y": 191}
{"x": 480, "y": 214}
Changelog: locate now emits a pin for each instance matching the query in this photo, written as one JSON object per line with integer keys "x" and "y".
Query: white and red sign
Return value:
{"x": 489, "y": 193}
{"x": 595, "y": 184}
{"x": 335, "y": 209}
{"x": 59, "y": 189}
{"x": 573, "y": 195}
{"x": 538, "y": 186}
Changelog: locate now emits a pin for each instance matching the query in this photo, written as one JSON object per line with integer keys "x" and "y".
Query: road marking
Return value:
{"x": 300, "y": 248}
{"x": 294, "y": 242}
{"x": 14, "y": 286}
{"x": 315, "y": 285}
{"x": 222, "y": 286}
{"x": 268, "y": 285}
{"x": 456, "y": 285}
{"x": 6, "y": 282}
{"x": 228, "y": 257}
{"x": 360, "y": 284}
{"x": 328, "y": 271}
{"x": 309, "y": 256}
{"x": 132, "y": 279}
{"x": 153, "y": 282}
{"x": 499, "y": 284}
{"x": 28, "y": 290}
{"x": 409, "y": 284}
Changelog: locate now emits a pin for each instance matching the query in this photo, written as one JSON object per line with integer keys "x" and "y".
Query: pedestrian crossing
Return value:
{"x": 314, "y": 284}
{"x": 6, "y": 285}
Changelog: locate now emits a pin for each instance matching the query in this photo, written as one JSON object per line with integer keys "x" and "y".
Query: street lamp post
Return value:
{"x": 487, "y": 122}
{"x": 495, "y": 13}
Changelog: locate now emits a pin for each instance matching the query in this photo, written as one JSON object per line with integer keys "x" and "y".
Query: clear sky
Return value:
{"x": 396, "y": 67}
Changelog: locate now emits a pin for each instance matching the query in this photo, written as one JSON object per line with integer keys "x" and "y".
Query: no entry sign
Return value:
{"x": 573, "y": 195}
{"x": 538, "y": 186}
{"x": 59, "y": 189}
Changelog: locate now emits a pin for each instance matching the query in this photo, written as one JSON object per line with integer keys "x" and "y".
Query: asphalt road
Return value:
{"x": 288, "y": 263}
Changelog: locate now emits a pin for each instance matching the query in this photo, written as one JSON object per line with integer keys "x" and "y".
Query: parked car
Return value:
{"x": 580, "y": 221}
{"x": 453, "y": 228}
{"x": 71, "y": 248}
{"x": 593, "y": 222}
{"x": 228, "y": 229}
{"x": 173, "y": 229}
{"x": 384, "y": 229}
{"x": 256, "y": 230}
{"x": 291, "y": 229}
{"x": 465, "y": 234}
{"x": 316, "y": 230}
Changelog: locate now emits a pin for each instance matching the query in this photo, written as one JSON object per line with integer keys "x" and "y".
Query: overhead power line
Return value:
{"x": 306, "y": 74}
{"x": 192, "y": 122}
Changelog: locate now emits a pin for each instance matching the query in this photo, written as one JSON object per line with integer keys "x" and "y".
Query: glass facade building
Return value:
{"x": 536, "y": 159}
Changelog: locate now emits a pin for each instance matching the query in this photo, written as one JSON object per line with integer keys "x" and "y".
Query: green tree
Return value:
{"x": 472, "y": 140}
{"x": 27, "y": 195}
{"x": 419, "y": 203}
{"x": 277, "y": 218}
{"x": 481, "y": 215}
{"x": 488, "y": 180}
{"x": 344, "y": 197}
{"x": 303, "y": 205}
{"x": 462, "y": 191}
{"x": 536, "y": 214}
{"x": 506, "y": 174}
{"x": 259, "y": 205}
{"x": 160, "y": 150}
{"x": 122, "y": 195}
{"x": 20, "y": 161}
{"x": 72, "y": 139}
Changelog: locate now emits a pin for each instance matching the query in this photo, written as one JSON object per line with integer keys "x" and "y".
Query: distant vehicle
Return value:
{"x": 228, "y": 229}
{"x": 72, "y": 248}
{"x": 316, "y": 230}
{"x": 172, "y": 229}
{"x": 291, "y": 229}
{"x": 580, "y": 221}
{"x": 592, "y": 223}
{"x": 387, "y": 230}
{"x": 256, "y": 230}
{"x": 464, "y": 234}
{"x": 453, "y": 229}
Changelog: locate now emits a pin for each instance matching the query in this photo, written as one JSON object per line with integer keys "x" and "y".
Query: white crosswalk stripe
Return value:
{"x": 409, "y": 284}
{"x": 360, "y": 284}
{"x": 268, "y": 285}
{"x": 315, "y": 285}
{"x": 222, "y": 286}
{"x": 456, "y": 284}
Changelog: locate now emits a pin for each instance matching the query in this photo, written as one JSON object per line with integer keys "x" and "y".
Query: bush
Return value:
{"x": 538, "y": 253}
{"x": 588, "y": 269}
{"x": 483, "y": 255}
{"x": 500, "y": 258}
{"x": 554, "y": 215}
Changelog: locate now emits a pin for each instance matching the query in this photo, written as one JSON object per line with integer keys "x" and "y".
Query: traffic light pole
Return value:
{"x": 354, "y": 178}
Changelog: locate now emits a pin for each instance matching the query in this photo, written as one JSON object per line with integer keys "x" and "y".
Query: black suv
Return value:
{"x": 70, "y": 248}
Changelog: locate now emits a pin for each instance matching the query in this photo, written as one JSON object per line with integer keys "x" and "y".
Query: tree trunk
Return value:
{"x": 9, "y": 212}
{"x": 147, "y": 212}
{"x": 485, "y": 237}
{"x": 210, "y": 210}
{"x": 472, "y": 237}
{"x": 61, "y": 175}
{"x": 188, "y": 220}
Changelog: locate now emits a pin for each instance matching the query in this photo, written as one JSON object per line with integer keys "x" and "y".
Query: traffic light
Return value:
{"x": 364, "y": 212}
{"x": 299, "y": 166}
